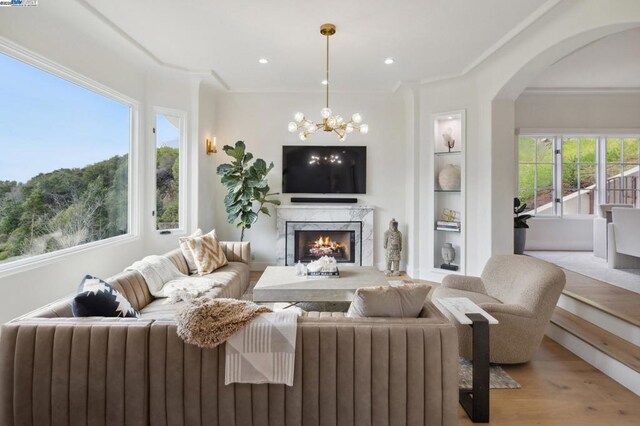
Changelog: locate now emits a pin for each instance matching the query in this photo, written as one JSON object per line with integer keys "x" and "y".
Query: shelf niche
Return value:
{"x": 444, "y": 200}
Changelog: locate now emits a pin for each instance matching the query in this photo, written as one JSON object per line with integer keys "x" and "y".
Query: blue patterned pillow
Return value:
{"x": 96, "y": 298}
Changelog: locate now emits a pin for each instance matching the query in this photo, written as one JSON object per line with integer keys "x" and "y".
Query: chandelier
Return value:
{"x": 330, "y": 122}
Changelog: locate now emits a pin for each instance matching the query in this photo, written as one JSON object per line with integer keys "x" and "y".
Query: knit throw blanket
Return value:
{"x": 165, "y": 280}
{"x": 207, "y": 322}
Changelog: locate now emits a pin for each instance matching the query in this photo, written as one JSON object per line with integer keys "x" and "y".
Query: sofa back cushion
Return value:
{"x": 404, "y": 301}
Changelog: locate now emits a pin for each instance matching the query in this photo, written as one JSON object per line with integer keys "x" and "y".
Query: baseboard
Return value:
{"x": 619, "y": 372}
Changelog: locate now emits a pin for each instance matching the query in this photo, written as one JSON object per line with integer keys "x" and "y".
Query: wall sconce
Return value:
{"x": 211, "y": 146}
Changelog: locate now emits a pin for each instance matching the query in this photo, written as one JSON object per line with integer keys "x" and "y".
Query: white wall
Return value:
{"x": 578, "y": 111}
{"x": 561, "y": 111}
{"x": 260, "y": 120}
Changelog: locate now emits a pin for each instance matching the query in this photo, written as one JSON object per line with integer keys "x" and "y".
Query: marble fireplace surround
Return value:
{"x": 327, "y": 217}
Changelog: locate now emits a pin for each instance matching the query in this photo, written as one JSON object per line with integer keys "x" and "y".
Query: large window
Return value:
{"x": 169, "y": 137}
{"x": 572, "y": 175}
{"x": 64, "y": 163}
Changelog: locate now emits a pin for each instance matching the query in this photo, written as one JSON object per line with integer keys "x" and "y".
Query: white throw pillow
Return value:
{"x": 404, "y": 301}
{"x": 186, "y": 251}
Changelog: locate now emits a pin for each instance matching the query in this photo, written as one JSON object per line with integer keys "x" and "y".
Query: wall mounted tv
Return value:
{"x": 324, "y": 169}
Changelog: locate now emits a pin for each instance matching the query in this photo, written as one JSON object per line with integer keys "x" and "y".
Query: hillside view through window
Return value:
{"x": 64, "y": 163}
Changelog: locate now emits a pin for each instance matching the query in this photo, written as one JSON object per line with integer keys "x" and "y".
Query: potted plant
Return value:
{"x": 246, "y": 186}
{"x": 520, "y": 225}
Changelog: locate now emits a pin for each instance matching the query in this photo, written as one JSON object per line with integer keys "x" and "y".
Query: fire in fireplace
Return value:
{"x": 312, "y": 245}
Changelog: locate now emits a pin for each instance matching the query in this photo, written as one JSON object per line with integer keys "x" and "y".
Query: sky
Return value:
{"x": 47, "y": 123}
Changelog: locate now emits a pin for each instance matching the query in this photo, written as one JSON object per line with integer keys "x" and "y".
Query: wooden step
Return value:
{"x": 610, "y": 344}
{"x": 618, "y": 302}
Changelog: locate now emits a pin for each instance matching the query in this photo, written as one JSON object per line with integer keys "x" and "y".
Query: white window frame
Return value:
{"x": 601, "y": 162}
{"x": 30, "y": 58}
{"x": 182, "y": 185}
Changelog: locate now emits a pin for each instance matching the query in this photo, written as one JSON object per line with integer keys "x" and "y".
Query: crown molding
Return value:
{"x": 95, "y": 12}
{"x": 517, "y": 30}
{"x": 523, "y": 25}
{"x": 534, "y": 91}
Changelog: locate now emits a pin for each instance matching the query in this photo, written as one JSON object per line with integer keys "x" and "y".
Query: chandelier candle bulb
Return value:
{"x": 330, "y": 122}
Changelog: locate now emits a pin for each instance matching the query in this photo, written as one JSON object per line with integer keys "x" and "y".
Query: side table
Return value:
{"x": 475, "y": 401}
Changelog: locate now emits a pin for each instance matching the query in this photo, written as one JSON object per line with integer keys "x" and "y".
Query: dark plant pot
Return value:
{"x": 519, "y": 240}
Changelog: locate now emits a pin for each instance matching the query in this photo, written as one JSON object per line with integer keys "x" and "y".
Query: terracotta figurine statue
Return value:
{"x": 393, "y": 246}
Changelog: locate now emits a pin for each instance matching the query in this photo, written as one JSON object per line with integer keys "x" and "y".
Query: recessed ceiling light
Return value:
{"x": 389, "y": 61}
{"x": 325, "y": 82}
{"x": 263, "y": 60}
{"x": 450, "y": 117}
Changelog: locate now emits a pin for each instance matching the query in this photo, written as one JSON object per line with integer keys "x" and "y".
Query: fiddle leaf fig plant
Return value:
{"x": 247, "y": 187}
{"x": 519, "y": 219}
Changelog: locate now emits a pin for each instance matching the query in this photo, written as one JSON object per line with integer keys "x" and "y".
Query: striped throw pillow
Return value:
{"x": 186, "y": 251}
{"x": 207, "y": 253}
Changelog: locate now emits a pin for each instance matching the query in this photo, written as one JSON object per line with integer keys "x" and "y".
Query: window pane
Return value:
{"x": 526, "y": 150}
{"x": 544, "y": 199}
{"x": 570, "y": 150}
{"x": 587, "y": 175}
{"x": 587, "y": 150}
{"x": 569, "y": 175}
{"x": 167, "y": 171}
{"x": 64, "y": 163}
{"x": 631, "y": 155}
{"x": 629, "y": 197}
{"x": 526, "y": 176}
{"x": 545, "y": 150}
{"x": 614, "y": 150}
{"x": 544, "y": 176}
{"x": 526, "y": 196}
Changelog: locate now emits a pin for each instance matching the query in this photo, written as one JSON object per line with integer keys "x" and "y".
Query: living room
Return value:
{"x": 122, "y": 112}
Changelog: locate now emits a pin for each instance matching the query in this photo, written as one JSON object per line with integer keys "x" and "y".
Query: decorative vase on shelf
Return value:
{"x": 449, "y": 177}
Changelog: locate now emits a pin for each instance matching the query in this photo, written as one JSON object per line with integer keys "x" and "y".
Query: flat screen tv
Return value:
{"x": 324, "y": 169}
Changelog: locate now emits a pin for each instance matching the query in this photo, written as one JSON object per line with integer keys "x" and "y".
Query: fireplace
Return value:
{"x": 346, "y": 231}
{"x": 312, "y": 245}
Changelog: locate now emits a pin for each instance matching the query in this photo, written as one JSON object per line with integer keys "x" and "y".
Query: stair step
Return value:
{"x": 608, "y": 343}
{"x": 618, "y": 302}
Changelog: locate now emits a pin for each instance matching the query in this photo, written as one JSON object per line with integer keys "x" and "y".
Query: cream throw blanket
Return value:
{"x": 264, "y": 351}
{"x": 166, "y": 281}
{"x": 261, "y": 344}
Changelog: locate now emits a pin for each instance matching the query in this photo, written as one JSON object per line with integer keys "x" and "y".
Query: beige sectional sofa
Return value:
{"x": 56, "y": 369}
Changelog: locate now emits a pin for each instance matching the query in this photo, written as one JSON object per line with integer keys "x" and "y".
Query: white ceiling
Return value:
{"x": 428, "y": 38}
{"x": 611, "y": 62}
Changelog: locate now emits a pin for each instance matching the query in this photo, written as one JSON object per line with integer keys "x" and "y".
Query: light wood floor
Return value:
{"x": 558, "y": 388}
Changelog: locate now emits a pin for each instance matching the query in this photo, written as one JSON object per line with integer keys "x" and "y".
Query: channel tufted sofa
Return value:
{"x": 56, "y": 369}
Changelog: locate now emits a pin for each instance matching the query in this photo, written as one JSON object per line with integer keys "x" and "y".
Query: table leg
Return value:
{"x": 476, "y": 401}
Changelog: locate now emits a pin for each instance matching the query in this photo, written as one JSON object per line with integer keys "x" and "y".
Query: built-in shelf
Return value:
{"x": 447, "y": 230}
{"x": 448, "y": 126}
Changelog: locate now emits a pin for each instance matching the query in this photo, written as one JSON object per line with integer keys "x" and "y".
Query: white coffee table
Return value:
{"x": 281, "y": 284}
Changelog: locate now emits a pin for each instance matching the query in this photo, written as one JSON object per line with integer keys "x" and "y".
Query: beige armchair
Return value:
{"x": 521, "y": 292}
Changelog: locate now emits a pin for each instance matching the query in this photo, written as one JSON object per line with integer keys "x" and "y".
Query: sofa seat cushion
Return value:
{"x": 477, "y": 298}
{"x": 234, "y": 280}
